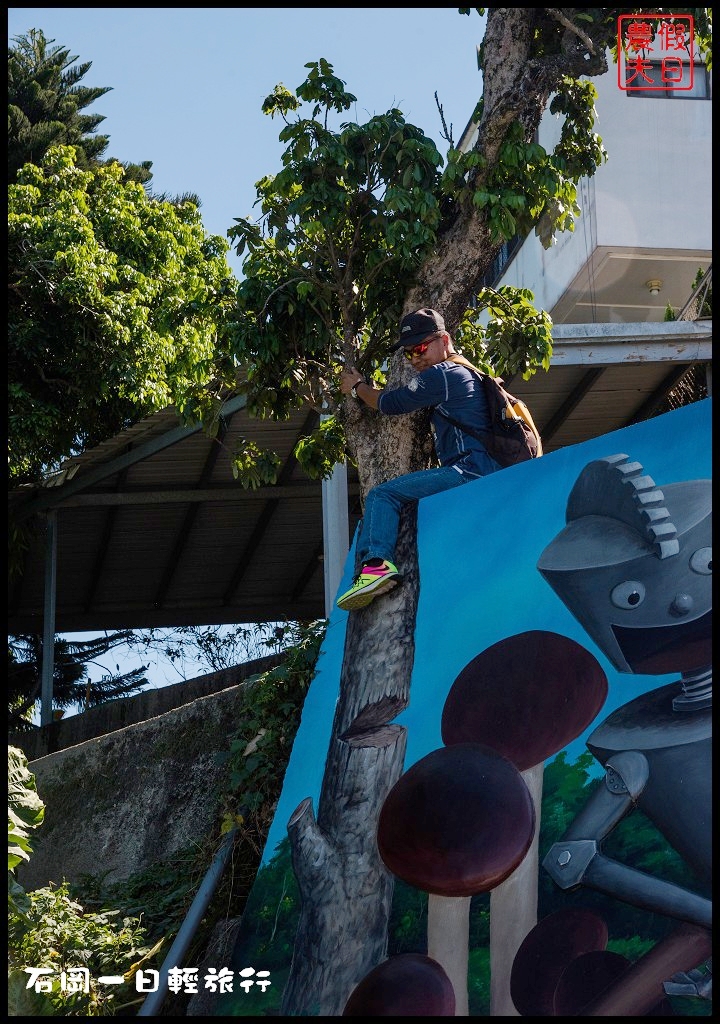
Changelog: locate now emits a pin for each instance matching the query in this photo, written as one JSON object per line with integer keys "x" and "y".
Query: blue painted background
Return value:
{"x": 478, "y": 550}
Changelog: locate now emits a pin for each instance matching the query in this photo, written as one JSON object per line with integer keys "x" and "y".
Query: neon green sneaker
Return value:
{"x": 375, "y": 577}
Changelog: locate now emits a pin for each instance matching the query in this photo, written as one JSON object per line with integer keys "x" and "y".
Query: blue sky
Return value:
{"x": 188, "y": 86}
{"x": 188, "y": 83}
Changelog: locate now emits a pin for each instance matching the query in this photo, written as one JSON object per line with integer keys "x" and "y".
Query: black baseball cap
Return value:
{"x": 416, "y": 326}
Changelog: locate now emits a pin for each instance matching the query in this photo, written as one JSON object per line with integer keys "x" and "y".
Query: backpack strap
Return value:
{"x": 465, "y": 429}
{"x": 455, "y": 357}
{"x": 481, "y": 436}
{"x": 515, "y": 410}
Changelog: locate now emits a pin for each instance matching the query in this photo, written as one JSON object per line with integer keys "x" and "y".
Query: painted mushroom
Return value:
{"x": 527, "y": 696}
{"x": 407, "y": 985}
{"x": 546, "y": 951}
{"x": 590, "y": 976}
{"x": 457, "y": 823}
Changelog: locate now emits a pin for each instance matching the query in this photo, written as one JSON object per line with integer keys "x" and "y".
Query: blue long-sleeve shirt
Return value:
{"x": 457, "y": 391}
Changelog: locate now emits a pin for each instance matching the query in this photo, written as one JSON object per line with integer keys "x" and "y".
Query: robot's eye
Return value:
{"x": 629, "y": 594}
{"x": 701, "y": 561}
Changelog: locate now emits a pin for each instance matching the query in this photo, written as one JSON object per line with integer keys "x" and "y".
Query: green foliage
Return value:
{"x": 160, "y": 895}
{"x": 319, "y": 453}
{"x": 517, "y": 337}
{"x": 259, "y": 750}
{"x": 254, "y": 466}
{"x": 344, "y": 226}
{"x": 48, "y": 929}
{"x": 479, "y": 982}
{"x": 45, "y": 101}
{"x": 527, "y": 187}
{"x": 117, "y": 305}
{"x": 407, "y": 927}
{"x": 25, "y": 812}
{"x": 705, "y": 308}
{"x": 273, "y": 907}
{"x": 58, "y": 933}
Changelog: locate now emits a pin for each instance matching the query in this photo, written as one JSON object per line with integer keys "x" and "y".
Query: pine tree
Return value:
{"x": 45, "y": 104}
{"x": 72, "y": 684}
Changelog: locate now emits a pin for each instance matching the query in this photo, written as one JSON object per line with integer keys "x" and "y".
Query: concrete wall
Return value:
{"x": 120, "y": 802}
{"x": 134, "y": 780}
{"x": 117, "y": 714}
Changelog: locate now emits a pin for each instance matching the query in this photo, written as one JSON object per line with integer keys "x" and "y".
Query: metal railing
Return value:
{"x": 189, "y": 926}
{"x": 692, "y": 310}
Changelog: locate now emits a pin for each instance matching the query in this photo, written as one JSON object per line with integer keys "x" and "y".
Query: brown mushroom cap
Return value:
{"x": 408, "y": 985}
{"x": 589, "y": 976}
{"x": 458, "y": 822}
{"x": 585, "y": 978}
{"x": 545, "y": 952}
{"x": 527, "y": 696}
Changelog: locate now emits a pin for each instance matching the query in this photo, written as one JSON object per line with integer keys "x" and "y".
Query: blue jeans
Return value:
{"x": 379, "y": 529}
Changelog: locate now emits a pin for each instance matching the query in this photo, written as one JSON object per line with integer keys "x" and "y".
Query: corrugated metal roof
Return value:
{"x": 152, "y": 529}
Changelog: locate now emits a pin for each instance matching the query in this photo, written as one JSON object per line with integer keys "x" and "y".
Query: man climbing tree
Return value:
{"x": 359, "y": 228}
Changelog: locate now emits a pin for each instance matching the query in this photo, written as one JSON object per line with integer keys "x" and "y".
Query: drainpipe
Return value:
{"x": 189, "y": 926}
{"x": 48, "y": 648}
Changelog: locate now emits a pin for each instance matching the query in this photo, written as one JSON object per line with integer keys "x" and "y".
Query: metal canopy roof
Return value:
{"x": 152, "y": 529}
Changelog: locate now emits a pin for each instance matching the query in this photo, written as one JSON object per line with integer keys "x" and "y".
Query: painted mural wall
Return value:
{"x": 563, "y": 624}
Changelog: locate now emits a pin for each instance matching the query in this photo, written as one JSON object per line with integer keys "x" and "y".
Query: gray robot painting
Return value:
{"x": 634, "y": 566}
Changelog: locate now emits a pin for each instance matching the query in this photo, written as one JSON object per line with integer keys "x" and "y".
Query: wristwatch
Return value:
{"x": 353, "y": 389}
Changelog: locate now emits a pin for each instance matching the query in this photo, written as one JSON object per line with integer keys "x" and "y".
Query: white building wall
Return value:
{"x": 659, "y": 165}
{"x": 653, "y": 194}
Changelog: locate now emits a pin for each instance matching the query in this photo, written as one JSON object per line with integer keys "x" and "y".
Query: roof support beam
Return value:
{"x": 183, "y": 534}
{"x": 50, "y": 496}
{"x": 650, "y": 405}
{"x": 683, "y": 341}
{"x": 104, "y": 546}
{"x": 183, "y": 496}
{"x": 574, "y": 399}
{"x": 264, "y": 519}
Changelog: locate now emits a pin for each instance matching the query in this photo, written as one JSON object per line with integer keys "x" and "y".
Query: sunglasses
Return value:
{"x": 418, "y": 350}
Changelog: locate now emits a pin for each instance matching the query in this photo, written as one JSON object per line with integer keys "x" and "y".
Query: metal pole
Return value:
{"x": 189, "y": 926}
{"x": 336, "y": 531}
{"x": 48, "y": 648}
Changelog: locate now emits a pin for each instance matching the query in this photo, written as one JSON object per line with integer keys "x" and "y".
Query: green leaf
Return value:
{"x": 25, "y": 808}
{"x": 24, "y": 1002}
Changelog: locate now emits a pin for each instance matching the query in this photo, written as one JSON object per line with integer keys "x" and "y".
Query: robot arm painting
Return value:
{"x": 634, "y": 566}
{"x": 577, "y": 859}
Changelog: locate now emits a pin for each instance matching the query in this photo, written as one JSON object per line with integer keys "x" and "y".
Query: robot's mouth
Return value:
{"x": 658, "y": 649}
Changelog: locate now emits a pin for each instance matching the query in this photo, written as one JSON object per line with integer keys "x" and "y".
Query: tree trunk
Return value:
{"x": 346, "y": 891}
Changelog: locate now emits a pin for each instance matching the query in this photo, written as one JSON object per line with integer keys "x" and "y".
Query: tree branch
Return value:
{"x": 557, "y": 14}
